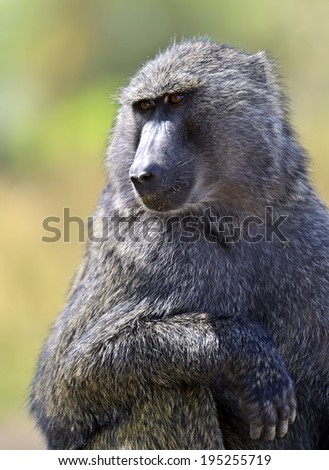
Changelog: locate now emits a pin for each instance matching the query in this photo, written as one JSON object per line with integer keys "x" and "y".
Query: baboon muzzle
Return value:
{"x": 153, "y": 189}
{"x": 147, "y": 179}
{"x": 153, "y": 173}
{"x": 147, "y": 173}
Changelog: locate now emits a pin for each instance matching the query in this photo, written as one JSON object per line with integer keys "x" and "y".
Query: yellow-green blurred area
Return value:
{"x": 61, "y": 62}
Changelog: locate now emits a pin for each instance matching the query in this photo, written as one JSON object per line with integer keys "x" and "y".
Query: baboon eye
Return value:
{"x": 175, "y": 98}
{"x": 145, "y": 105}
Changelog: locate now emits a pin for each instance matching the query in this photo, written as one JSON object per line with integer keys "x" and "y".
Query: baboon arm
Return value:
{"x": 189, "y": 347}
{"x": 193, "y": 348}
{"x": 114, "y": 363}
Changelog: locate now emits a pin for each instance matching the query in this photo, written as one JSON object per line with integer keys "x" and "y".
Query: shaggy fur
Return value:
{"x": 173, "y": 343}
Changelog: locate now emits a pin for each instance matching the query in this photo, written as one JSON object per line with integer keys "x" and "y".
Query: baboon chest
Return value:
{"x": 191, "y": 277}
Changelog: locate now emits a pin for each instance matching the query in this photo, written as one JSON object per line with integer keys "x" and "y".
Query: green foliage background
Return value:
{"x": 61, "y": 61}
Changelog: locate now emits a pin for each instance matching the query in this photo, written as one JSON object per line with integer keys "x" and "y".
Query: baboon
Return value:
{"x": 187, "y": 327}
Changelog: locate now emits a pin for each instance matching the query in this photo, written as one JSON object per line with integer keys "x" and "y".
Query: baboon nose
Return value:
{"x": 142, "y": 177}
{"x": 146, "y": 179}
{"x": 145, "y": 174}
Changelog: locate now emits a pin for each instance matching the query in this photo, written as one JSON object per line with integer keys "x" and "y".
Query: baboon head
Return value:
{"x": 201, "y": 123}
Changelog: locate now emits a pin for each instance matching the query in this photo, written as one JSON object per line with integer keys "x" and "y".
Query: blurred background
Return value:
{"x": 60, "y": 63}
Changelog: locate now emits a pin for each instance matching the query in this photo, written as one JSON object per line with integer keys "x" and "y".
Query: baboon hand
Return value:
{"x": 270, "y": 413}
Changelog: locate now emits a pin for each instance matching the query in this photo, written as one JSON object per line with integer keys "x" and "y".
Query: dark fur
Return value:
{"x": 164, "y": 344}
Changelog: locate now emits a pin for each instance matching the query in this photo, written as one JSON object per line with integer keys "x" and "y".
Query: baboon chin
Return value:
{"x": 163, "y": 202}
{"x": 173, "y": 342}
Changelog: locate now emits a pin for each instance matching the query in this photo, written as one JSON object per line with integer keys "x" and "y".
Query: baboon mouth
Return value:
{"x": 164, "y": 197}
{"x": 163, "y": 201}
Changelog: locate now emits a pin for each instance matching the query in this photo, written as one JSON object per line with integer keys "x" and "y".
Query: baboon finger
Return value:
{"x": 256, "y": 431}
{"x": 282, "y": 428}
{"x": 292, "y": 417}
{"x": 270, "y": 433}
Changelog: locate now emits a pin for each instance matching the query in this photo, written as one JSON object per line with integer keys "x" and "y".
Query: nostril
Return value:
{"x": 142, "y": 178}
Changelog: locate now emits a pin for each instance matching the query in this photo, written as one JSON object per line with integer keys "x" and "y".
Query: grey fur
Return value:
{"x": 165, "y": 344}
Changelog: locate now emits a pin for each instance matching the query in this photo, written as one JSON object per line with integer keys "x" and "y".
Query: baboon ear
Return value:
{"x": 262, "y": 70}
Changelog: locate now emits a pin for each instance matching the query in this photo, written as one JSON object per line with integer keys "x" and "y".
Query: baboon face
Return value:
{"x": 162, "y": 172}
{"x": 199, "y": 125}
